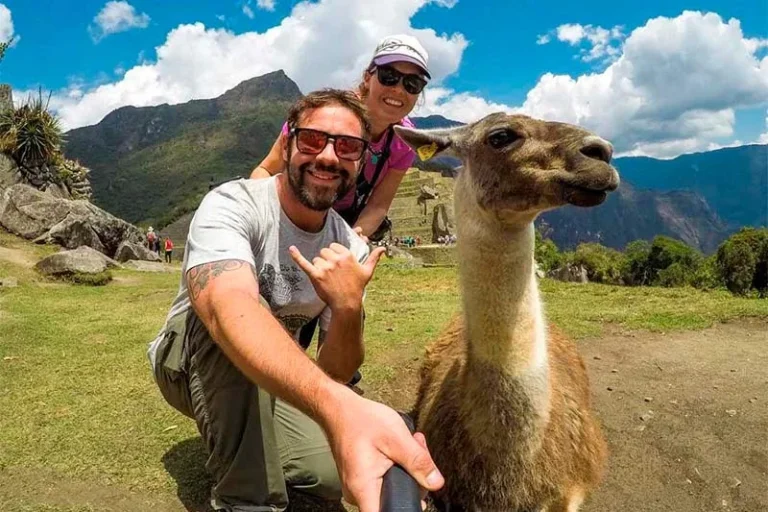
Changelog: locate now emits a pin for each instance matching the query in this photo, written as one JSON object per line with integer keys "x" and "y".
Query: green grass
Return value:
{"x": 79, "y": 403}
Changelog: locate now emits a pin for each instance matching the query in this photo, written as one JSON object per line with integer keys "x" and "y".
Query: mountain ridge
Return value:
{"x": 154, "y": 164}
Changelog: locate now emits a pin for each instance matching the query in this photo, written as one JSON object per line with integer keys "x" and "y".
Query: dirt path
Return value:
{"x": 703, "y": 442}
{"x": 17, "y": 257}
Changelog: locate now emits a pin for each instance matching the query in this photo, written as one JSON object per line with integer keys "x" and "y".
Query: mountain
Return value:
{"x": 152, "y": 164}
{"x": 434, "y": 121}
{"x": 734, "y": 181}
{"x": 632, "y": 214}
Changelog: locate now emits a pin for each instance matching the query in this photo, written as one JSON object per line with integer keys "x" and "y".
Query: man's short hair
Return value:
{"x": 327, "y": 97}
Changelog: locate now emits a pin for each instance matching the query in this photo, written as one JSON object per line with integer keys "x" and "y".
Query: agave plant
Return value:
{"x": 31, "y": 134}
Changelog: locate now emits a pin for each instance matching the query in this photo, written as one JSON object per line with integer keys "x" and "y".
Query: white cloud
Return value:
{"x": 755, "y": 44}
{"x": 267, "y": 5}
{"x": 673, "y": 89}
{"x": 6, "y": 26}
{"x": 248, "y": 11}
{"x": 197, "y": 62}
{"x": 114, "y": 17}
{"x": 603, "y": 43}
{"x": 763, "y": 138}
{"x": 464, "y": 107}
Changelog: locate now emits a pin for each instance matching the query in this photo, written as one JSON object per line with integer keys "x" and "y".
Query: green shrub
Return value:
{"x": 743, "y": 261}
{"x": 603, "y": 265}
{"x": 666, "y": 251}
{"x": 100, "y": 279}
{"x": 635, "y": 270}
{"x": 708, "y": 276}
{"x": 31, "y": 134}
{"x": 546, "y": 254}
{"x": 675, "y": 275}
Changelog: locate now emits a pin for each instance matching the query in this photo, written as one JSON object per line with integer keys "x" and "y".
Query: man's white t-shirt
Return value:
{"x": 243, "y": 220}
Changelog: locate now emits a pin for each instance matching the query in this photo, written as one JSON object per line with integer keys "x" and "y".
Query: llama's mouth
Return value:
{"x": 584, "y": 196}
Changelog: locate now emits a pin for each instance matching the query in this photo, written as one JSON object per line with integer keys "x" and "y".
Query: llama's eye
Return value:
{"x": 502, "y": 138}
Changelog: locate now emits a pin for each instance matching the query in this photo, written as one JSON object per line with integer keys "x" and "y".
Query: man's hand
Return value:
{"x": 339, "y": 279}
{"x": 367, "y": 439}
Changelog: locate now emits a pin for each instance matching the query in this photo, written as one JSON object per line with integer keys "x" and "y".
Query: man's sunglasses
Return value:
{"x": 313, "y": 142}
{"x": 389, "y": 77}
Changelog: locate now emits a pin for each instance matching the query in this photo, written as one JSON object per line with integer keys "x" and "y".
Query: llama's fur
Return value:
{"x": 504, "y": 400}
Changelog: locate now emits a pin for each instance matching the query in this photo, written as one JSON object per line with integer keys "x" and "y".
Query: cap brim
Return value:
{"x": 389, "y": 59}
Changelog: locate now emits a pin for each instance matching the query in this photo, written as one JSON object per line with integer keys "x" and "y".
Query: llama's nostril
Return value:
{"x": 597, "y": 148}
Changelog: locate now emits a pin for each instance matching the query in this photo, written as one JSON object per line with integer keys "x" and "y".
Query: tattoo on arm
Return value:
{"x": 199, "y": 276}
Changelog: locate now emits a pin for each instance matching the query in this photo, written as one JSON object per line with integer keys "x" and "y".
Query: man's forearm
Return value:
{"x": 341, "y": 350}
{"x": 260, "y": 348}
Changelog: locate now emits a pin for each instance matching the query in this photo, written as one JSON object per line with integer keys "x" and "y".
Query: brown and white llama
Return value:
{"x": 504, "y": 400}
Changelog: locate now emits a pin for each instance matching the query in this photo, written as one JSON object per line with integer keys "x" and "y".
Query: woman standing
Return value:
{"x": 390, "y": 86}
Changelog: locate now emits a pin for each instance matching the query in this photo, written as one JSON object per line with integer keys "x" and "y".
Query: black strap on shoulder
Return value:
{"x": 362, "y": 183}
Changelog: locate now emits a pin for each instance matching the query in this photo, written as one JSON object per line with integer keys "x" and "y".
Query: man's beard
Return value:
{"x": 315, "y": 197}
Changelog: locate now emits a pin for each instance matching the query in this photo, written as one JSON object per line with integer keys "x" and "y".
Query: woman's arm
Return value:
{"x": 273, "y": 163}
{"x": 379, "y": 202}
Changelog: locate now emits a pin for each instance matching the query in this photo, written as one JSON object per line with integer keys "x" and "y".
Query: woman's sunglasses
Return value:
{"x": 313, "y": 142}
{"x": 389, "y": 77}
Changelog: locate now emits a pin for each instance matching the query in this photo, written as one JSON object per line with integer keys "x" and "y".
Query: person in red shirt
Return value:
{"x": 168, "y": 249}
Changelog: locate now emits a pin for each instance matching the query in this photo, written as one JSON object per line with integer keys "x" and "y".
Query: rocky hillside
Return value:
{"x": 733, "y": 181}
{"x": 632, "y": 214}
{"x": 153, "y": 164}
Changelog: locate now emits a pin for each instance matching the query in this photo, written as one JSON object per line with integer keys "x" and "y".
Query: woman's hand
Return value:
{"x": 359, "y": 231}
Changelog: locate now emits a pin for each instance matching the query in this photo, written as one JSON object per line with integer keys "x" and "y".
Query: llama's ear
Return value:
{"x": 427, "y": 143}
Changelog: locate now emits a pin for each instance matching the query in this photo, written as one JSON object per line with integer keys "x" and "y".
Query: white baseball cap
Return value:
{"x": 401, "y": 48}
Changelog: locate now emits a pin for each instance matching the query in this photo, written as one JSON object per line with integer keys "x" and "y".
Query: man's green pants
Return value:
{"x": 256, "y": 444}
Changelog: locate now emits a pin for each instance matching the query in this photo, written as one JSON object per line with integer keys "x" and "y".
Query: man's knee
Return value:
{"x": 316, "y": 475}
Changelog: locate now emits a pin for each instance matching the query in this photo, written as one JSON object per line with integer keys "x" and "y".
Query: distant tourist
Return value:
{"x": 227, "y": 354}
{"x": 151, "y": 239}
{"x": 391, "y": 83}
{"x": 168, "y": 250}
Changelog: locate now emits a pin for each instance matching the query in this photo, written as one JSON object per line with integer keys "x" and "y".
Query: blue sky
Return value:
{"x": 657, "y": 78}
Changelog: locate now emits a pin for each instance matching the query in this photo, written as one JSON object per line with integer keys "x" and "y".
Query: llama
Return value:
{"x": 504, "y": 400}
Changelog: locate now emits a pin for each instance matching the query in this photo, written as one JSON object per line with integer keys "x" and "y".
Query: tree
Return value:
{"x": 603, "y": 265}
{"x": 4, "y": 47}
{"x": 635, "y": 270}
{"x": 667, "y": 251}
{"x": 546, "y": 254}
{"x": 743, "y": 261}
{"x": 737, "y": 263}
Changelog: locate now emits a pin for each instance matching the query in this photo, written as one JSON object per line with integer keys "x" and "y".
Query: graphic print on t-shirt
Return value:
{"x": 277, "y": 287}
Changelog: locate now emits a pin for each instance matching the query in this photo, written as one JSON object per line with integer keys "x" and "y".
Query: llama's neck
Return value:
{"x": 503, "y": 315}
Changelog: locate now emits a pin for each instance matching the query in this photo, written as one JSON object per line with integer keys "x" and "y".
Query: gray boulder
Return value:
{"x": 8, "y": 282}
{"x": 147, "y": 266}
{"x": 127, "y": 251}
{"x": 426, "y": 192}
{"x": 570, "y": 274}
{"x": 9, "y": 172}
{"x": 83, "y": 260}
{"x": 35, "y": 215}
{"x": 442, "y": 225}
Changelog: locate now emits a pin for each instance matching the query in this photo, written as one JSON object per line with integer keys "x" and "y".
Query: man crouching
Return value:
{"x": 262, "y": 258}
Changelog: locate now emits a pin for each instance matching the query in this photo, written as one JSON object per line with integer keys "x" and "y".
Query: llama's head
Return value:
{"x": 519, "y": 165}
